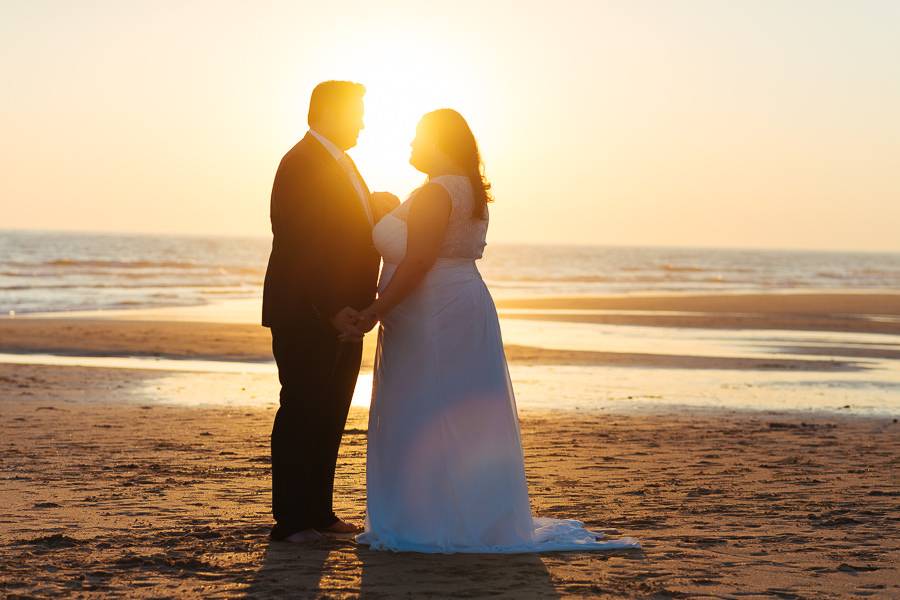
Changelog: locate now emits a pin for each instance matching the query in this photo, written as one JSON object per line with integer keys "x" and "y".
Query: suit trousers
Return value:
{"x": 318, "y": 374}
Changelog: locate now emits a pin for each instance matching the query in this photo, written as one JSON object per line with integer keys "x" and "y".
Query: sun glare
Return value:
{"x": 404, "y": 78}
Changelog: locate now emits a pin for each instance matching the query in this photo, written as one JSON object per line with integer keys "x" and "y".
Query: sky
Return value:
{"x": 696, "y": 123}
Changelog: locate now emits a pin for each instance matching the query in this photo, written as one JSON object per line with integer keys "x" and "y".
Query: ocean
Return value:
{"x": 56, "y": 272}
{"x": 43, "y": 272}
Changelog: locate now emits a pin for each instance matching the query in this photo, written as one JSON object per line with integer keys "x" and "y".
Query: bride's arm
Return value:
{"x": 427, "y": 221}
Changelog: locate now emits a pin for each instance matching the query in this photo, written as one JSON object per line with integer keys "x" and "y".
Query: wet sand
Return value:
{"x": 799, "y": 303}
{"x": 243, "y": 342}
{"x": 863, "y": 313}
{"x": 104, "y": 492}
{"x": 845, "y": 312}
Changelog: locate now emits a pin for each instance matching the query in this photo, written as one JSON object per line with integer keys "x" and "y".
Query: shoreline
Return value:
{"x": 235, "y": 342}
{"x": 195, "y": 333}
{"x": 875, "y": 312}
{"x": 800, "y": 301}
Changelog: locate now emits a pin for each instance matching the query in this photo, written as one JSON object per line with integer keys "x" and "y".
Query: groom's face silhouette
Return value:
{"x": 342, "y": 123}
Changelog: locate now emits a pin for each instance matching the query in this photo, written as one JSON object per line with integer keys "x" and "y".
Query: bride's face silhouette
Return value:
{"x": 418, "y": 152}
{"x": 425, "y": 155}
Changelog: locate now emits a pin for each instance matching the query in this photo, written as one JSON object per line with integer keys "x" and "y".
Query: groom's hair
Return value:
{"x": 331, "y": 96}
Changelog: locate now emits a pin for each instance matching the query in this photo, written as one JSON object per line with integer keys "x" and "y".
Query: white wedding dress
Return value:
{"x": 445, "y": 471}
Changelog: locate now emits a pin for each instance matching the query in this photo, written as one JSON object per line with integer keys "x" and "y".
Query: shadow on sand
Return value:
{"x": 387, "y": 574}
{"x": 290, "y": 571}
{"x": 340, "y": 567}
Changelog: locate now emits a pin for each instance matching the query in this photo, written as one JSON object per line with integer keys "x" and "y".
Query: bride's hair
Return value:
{"x": 451, "y": 135}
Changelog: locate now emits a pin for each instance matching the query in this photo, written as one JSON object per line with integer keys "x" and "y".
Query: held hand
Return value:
{"x": 365, "y": 321}
{"x": 383, "y": 203}
{"x": 345, "y": 321}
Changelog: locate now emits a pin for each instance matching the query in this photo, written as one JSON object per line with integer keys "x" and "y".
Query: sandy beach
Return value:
{"x": 142, "y": 482}
{"x": 100, "y": 496}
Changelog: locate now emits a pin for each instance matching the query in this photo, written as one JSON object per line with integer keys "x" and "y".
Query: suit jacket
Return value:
{"x": 322, "y": 255}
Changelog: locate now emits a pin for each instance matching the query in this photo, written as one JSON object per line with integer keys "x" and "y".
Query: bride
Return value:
{"x": 445, "y": 471}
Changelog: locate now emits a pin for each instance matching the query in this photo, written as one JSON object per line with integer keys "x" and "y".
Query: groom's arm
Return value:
{"x": 297, "y": 222}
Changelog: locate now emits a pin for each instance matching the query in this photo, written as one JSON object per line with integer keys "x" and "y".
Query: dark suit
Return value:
{"x": 322, "y": 260}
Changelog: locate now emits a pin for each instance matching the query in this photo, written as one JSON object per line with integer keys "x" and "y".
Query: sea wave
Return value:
{"x": 125, "y": 264}
{"x": 683, "y": 269}
{"x": 100, "y": 286}
{"x": 54, "y": 271}
{"x": 248, "y": 273}
{"x": 615, "y": 278}
{"x": 106, "y": 265}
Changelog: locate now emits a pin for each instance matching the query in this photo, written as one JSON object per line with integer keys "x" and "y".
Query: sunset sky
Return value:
{"x": 695, "y": 123}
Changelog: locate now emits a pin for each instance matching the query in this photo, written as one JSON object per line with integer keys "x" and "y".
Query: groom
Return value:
{"x": 323, "y": 267}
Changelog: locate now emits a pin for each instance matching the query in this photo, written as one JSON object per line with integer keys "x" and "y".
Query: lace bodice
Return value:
{"x": 465, "y": 235}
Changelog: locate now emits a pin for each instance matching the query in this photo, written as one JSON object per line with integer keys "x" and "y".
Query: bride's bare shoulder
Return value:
{"x": 431, "y": 197}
